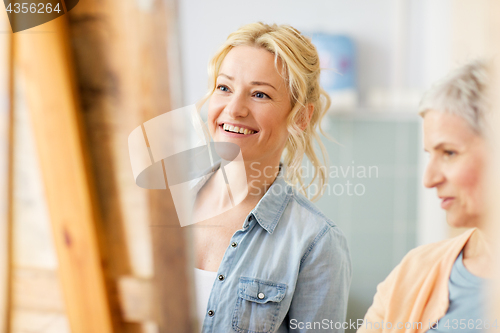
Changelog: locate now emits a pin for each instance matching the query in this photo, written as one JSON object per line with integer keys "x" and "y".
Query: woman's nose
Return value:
{"x": 433, "y": 175}
{"x": 237, "y": 106}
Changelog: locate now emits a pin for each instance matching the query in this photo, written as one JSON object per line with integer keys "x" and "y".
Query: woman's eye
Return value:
{"x": 222, "y": 87}
{"x": 259, "y": 94}
{"x": 449, "y": 153}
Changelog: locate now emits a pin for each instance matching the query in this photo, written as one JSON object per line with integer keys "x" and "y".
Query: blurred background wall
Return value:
{"x": 401, "y": 44}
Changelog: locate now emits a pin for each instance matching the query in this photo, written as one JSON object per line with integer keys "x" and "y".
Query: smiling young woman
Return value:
{"x": 273, "y": 262}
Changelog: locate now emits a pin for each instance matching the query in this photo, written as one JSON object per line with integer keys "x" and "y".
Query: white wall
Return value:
{"x": 429, "y": 60}
{"x": 204, "y": 25}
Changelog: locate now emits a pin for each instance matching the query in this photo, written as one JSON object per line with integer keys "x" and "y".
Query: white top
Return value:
{"x": 203, "y": 282}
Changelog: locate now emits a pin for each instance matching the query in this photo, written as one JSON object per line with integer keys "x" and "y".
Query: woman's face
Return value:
{"x": 456, "y": 167}
{"x": 252, "y": 98}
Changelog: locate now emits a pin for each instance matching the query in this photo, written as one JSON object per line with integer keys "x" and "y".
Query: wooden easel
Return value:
{"x": 91, "y": 76}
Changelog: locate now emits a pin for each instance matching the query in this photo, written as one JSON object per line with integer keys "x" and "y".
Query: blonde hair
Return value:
{"x": 301, "y": 69}
{"x": 463, "y": 92}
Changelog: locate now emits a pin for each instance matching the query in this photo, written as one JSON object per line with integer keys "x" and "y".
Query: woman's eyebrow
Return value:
{"x": 260, "y": 83}
{"x": 227, "y": 76}
{"x": 437, "y": 146}
{"x": 254, "y": 83}
{"x": 444, "y": 144}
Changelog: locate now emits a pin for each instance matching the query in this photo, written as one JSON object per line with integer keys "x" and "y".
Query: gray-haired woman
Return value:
{"x": 438, "y": 287}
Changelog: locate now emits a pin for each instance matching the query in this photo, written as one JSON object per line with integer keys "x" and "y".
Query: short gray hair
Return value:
{"x": 463, "y": 92}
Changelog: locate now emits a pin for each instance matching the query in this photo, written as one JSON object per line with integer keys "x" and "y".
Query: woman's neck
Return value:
{"x": 257, "y": 177}
{"x": 478, "y": 255}
{"x": 238, "y": 185}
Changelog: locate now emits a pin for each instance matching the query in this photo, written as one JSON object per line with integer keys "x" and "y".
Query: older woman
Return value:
{"x": 438, "y": 287}
{"x": 273, "y": 262}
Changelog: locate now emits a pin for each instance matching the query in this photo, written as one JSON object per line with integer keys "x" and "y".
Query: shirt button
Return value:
{"x": 221, "y": 277}
{"x": 261, "y": 295}
{"x": 211, "y": 313}
{"x": 234, "y": 244}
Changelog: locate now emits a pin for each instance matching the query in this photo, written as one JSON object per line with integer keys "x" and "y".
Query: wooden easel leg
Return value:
{"x": 6, "y": 168}
{"x": 45, "y": 62}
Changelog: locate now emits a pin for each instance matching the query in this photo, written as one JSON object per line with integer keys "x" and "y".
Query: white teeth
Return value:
{"x": 236, "y": 129}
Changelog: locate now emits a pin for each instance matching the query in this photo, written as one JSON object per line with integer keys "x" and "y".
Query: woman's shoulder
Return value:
{"x": 421, "y": 270}
{"x": 310, "y": 214}
{"x": 423, "y": 259}
{"x": 436, "y": 250}
{"x": 304, "y": 211}
{"x": 318, "y": 237}
{"x": 306, "y": 218}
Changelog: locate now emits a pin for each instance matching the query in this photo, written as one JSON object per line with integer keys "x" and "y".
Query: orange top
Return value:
{"x": 415, "y": 294}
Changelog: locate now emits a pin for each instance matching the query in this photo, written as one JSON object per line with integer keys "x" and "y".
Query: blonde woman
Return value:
{"x": 440, "y": 287}
{"x": 274, "y": 262}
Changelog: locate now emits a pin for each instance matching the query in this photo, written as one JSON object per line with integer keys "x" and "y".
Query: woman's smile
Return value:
{"x": 236, "y": 130}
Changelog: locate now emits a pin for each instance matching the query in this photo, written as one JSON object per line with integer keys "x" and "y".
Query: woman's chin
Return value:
{"x": 460, "y": 220}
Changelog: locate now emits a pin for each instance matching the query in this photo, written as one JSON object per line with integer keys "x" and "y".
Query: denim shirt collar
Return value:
{"x": 270, "y": 207}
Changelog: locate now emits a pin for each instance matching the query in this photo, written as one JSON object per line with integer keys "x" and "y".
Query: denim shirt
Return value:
{"x": 288, "y": 269}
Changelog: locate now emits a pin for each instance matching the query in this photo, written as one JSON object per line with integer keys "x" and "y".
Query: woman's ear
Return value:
{"x": 305, "y": 116}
